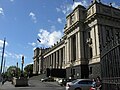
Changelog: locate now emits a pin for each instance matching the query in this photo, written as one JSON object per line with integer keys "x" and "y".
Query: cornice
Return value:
{"x": 54, "y": 47}
{"x": 70, "y": 28}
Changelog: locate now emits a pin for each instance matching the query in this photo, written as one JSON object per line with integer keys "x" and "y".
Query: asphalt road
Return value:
{"x": 33, "y": 85}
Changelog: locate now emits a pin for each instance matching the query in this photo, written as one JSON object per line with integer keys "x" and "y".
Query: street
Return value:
{"x": 33, "y": 85}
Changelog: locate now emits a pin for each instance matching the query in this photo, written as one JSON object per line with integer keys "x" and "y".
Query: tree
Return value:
{"x": 28, "y": 70}
{"x": 13, "y": 71}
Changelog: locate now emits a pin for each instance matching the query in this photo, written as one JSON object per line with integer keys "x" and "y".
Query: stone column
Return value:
{"x": 63, "y": 63}
{"x": 57, "y": 59}
{"x": 39, "y": 65}
{"x": 65, "y": 53}
{"x": 44, "y": 62}
{"x": 70, "y": 49}
{"x": 60, "y": 60}
{"x": 77, "y": 46}
{"x": 48, "y": 65}
{"x": 52, "y": 60}
{"x": 49, "y": 60}
{"x": 34, "y": 67}
{"x": 44, "y": 65}
{"x": 94, "y": 41}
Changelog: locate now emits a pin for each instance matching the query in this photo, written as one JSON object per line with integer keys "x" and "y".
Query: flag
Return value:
{"x": 38, "y": 40}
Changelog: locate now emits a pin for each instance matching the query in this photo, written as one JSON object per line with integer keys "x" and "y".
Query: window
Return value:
{"x": 72, "y": 19}
{"x": 85, "y": 82}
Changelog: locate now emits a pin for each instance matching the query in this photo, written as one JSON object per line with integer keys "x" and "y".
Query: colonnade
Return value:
{"x": 54, "y": 59}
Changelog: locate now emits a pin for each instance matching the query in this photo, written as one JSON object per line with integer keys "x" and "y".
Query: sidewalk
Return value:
{"x": 53, "y": 83}
{"x": 6, "y": 85}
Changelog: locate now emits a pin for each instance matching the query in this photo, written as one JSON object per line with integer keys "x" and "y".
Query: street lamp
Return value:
{"x": 22, "y": 66}
{"x": 17, "y": 70}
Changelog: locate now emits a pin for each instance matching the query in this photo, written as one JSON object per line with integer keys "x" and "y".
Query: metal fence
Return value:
{"x": 110, "y": 63}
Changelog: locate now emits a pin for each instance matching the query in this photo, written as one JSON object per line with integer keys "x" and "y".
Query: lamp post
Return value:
{"x": 17, "y": 70}
{"x": 22, "y": 66}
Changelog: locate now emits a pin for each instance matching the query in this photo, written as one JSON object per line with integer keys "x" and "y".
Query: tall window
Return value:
{"x": 72, "y": 19}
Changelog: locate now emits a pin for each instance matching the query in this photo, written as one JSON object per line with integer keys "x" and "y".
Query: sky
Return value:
{"x": 23, "y": 21}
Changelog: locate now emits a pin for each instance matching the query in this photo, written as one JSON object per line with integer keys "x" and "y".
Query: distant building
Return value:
{"x": 88, "y": 34}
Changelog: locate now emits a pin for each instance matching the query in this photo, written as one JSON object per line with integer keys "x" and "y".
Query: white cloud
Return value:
{"x": 1, "y": 43}
{"x": 53, "y": 28}
{"x": 33, "y": 17}
{"x": 32, "y": 44}
{"x": 11, "y": 0}
{"x": 58, "y": 9}
{"x": 13, "y": 55}
{"x": 1, "y": 12}
{"x": 59, "y": 20}
{"x": 49, "y": 38}
{"x": 83, "y": 3}
{"x": 66, "y": 8}
{"x": 18, "y": 56}
{"x": 115, "y": 5}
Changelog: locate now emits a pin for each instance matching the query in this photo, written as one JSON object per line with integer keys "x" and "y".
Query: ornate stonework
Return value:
{"x": 87, "y": 32}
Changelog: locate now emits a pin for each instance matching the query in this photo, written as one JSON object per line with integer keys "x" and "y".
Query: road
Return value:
{"x": 33, "y": 85}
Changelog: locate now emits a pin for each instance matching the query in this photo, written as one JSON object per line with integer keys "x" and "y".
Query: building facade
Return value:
{"x": 85, "y": 35}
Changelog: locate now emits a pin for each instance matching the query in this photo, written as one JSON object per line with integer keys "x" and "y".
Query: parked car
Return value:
{"x": 63, "y": 82}
{"x": 79, "y": 84}
{"x": 48, "y": 79}
{"x": 60, "y": 81}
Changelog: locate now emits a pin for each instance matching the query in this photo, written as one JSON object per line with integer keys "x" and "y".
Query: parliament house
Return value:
{"x": 89, "y": 46}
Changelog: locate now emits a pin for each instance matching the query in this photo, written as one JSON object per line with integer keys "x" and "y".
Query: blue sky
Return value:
{"x": 23, "y": 21}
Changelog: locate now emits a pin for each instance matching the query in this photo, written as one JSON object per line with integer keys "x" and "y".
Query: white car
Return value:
{"x": 59, "y": 81}
{"x": 79, "y": 84}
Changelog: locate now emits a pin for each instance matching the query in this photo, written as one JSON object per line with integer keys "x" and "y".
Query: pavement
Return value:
{"x": 53, "y": 83}
{"x": 8, "y": 85}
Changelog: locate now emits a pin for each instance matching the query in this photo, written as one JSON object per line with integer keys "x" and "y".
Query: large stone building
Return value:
{"x": 86, "y": 33}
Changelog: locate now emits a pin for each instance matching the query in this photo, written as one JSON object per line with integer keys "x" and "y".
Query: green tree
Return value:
{"x": 28, "y": 70}
{"x": 13, "y": 71}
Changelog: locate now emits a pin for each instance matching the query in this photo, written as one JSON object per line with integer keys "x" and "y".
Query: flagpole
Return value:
{"x": 4, "y": 65}
{"x": 2, "y": 55}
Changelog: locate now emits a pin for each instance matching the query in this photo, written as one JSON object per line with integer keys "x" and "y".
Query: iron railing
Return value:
{"x": 110, "y": 66}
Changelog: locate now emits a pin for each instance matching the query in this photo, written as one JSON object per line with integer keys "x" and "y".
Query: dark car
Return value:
{"x": 48, "y": 79}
